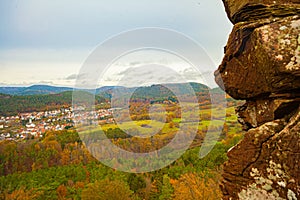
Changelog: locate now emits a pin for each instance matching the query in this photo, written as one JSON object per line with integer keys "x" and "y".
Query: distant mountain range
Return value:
{"x": 47, "y": 89}
{"x": 14, "y": 100}
{"x": 32, "y": 90}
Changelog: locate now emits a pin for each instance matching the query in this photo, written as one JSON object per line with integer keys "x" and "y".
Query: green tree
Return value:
{"x": 136, "y": 182}
{"x": 107, "y": 190}
{"x": 167, "y": 189}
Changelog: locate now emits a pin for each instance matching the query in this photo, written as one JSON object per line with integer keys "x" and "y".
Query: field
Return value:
{"x": 59, "y": 165}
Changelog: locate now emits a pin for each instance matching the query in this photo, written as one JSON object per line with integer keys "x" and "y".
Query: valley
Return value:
{"x": 57, "y": 162}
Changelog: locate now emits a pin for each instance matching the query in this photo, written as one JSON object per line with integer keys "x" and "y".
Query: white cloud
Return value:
{"x": 50, "y": 40}
{"x": 71, "y": 77}
{"x": 32, "y": 66}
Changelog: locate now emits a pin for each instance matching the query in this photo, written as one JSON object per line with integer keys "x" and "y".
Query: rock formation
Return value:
{"x": 262, "y": 66}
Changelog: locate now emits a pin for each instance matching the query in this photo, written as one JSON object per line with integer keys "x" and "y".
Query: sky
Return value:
{"x": 48, "y": 41}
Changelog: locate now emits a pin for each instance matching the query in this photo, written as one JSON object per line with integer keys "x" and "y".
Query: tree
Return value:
{"x": 23, "y": 194}
{"x": 171, "y": 124}
{"x": 191, "y": 186}
{"x": 107, "y": 190}
{"x": 167, "y": 189}
{"x": 61, "y": 192}
{"x": 136, "y": 182}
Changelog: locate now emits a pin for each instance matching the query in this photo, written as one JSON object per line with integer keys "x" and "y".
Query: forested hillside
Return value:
{"x": 50, "y": 157}
{"x": 58, "y": 166}
{"x": 12, "y": 105}
{"x": 35, "y": 89}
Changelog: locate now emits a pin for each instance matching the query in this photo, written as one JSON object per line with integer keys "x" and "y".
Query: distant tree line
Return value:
{"x": 12, "y": 105}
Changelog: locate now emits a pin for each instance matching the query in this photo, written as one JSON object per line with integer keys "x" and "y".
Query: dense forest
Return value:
{"x": 59, "y": 165}
{"x": 12, "y": 105}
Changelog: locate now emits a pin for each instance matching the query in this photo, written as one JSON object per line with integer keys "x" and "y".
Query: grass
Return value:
{"x": 152, "y": 126}
{"x": 156, "y": 126}
{"x": 177, "y": 120}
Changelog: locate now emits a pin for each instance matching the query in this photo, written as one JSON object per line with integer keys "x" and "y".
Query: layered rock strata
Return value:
{"x": 262, "y": 66}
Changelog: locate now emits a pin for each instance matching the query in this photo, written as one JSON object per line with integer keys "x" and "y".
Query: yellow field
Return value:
{"x": 146, "y": 126}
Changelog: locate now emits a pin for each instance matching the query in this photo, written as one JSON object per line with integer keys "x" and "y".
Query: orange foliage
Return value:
{"x": 191, "y": 186}
{"x": 22, "y": 194}
{"x": 61, "y": 192}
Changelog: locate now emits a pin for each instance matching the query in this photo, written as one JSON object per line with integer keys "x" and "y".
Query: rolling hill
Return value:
{"x": 13, "y": 104}
{"x": 15, "y": 100}
{"x": 34, "y": 89}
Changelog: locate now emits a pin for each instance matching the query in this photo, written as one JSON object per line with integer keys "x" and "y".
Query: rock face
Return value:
{"x": 246, "y": 10}
{"x": 262, "y": 66}
{"x": 266, "y": 163}
{"x": 267, "y": 53}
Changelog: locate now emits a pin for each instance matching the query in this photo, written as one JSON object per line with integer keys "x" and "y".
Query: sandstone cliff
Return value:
{"x": 262, "y": 66}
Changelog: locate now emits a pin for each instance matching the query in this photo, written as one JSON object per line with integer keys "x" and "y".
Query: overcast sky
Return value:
{"x": 47, "y": 41}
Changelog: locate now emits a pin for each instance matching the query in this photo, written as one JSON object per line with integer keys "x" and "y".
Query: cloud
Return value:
{"x": 56, "y": 50}
{"x": 71, "y": 77}
{"x": 27, "y": 21}
{"x": 81, "y": 76}
{"x": 150, "y": 74}
{"x": 135, "y": 63}
{"x": 47, "y": 82}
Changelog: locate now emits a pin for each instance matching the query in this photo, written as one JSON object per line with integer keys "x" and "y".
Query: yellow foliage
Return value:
{"x": 191, "y": 186}
{"x": 107, "y": 190}
{"x": 22, "y": 194}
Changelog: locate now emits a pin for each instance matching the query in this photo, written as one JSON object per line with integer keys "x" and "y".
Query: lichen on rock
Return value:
{"x": 262, "y": 66}
{"x": 266, "y": 54}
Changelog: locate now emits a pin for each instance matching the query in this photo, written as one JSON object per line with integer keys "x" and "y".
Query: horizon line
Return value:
{"x": 73, "y": 87}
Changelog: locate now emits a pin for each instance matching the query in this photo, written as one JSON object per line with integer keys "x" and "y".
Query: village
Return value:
{"x": 36, "y": 124}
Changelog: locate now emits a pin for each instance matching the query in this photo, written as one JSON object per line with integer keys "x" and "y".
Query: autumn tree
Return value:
{"x": 167, "y": 189}
{"x": 191, "y": 186}
{"x": 107, "y": 190}
{"x": 22, "y": 194}
{"x": 61, "y": 191}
